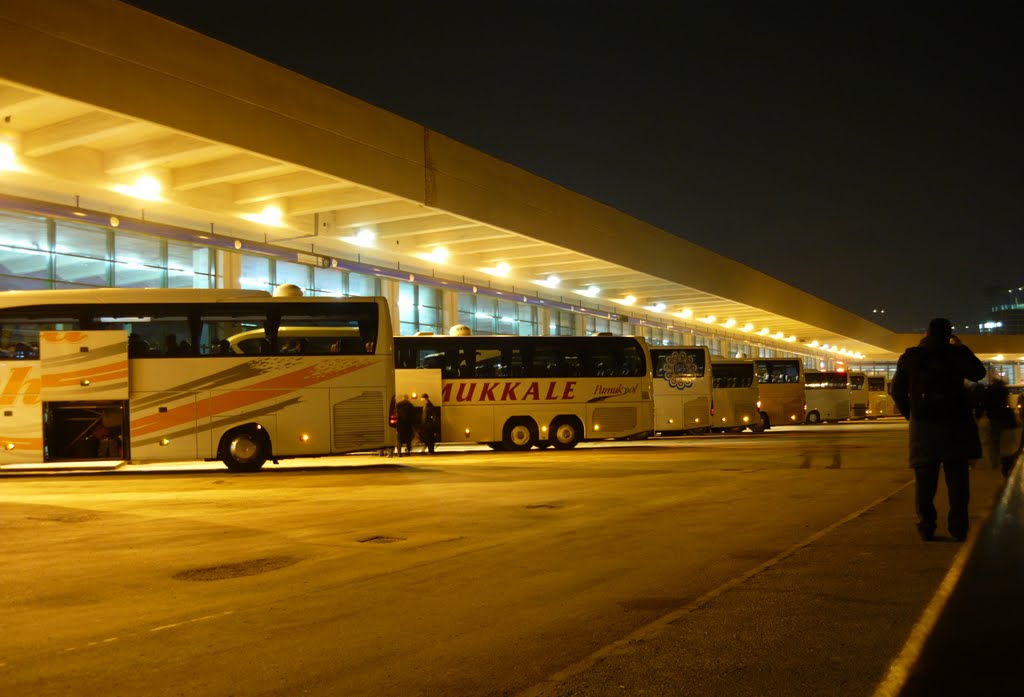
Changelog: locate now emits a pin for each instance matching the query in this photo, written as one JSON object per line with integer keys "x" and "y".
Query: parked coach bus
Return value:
{"x": 160, "y": 375}
{"x": 880, "y": 397}
{"x": 859, "y": 395}
{"x": 734, "y": 395}
{"x": 517, "y": 392}
{"x": 828, "y": 396}
{"x": 780, "y": 384}
{"x": 682, "y": 388}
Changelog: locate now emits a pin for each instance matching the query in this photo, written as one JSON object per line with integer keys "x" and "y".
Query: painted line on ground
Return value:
{"x": 654, "y": 628}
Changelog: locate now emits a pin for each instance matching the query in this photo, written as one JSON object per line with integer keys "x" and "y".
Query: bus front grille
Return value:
{"x": 614, "y": 419}
{"x": 358, "y": 422}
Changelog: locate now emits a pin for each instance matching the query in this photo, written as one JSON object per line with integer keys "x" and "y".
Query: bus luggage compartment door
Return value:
{"x": 84, "y": 431}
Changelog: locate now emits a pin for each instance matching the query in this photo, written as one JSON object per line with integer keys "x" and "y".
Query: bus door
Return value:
{"x": 84, "y": 393}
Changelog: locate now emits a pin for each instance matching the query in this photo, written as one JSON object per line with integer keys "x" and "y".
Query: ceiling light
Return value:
{"x": 438, "y": 255}
{"x": 730, "y": 323}
{"x": 590, "y": 291}
{"x": 363, "y": 237}
{"x": 8, "y": 158}
{"x": 710, "y": 319}
{"x": 747, "y": 327}
{"x": 686, "y": 313}
{"x": 628, "y": 300}
{"x": 146, "y": 188}
{"x": 764, "y": 331}
{"x": 552, "y": 281}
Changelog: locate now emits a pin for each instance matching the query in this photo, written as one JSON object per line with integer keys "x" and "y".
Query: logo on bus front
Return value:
{"x": 679, "y": 370}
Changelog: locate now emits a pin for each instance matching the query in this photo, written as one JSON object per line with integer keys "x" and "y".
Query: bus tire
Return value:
{"x": 519, "y": 434}
{"x": 813, "y": 417}
{"x": 245, "y": 449}
{"x": 565, "y": 432}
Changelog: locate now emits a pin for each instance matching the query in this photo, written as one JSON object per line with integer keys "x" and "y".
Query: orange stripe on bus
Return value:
{"x": 22, "y": 443}
{"x": 60, "y": 337}
{"x": 117, "y": 371}
{"x": 244, "y": 396}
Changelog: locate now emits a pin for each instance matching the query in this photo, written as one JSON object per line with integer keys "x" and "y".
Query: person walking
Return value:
{"x": 929, "y": 390}
{"x": 430, "y": 430}
{"x": 1001, "y": 421}
{"x": 405, "y": 418}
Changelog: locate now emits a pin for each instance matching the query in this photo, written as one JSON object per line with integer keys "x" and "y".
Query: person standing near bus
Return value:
{"x": 405, "y": 424}
{"x": 430, "y": 429}
{"x": 929, "y": 390}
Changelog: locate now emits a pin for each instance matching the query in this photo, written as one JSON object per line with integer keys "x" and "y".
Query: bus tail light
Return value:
{"x": 393, "y": 414}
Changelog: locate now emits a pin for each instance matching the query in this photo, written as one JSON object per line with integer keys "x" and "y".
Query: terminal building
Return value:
{"x": 137, "y": 153}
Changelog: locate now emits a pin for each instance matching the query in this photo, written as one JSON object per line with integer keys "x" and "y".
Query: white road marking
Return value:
{"x": 650, "y": 630}
{"x": 192, "y": 621}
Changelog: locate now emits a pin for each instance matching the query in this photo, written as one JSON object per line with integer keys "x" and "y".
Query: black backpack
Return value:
{"x": 936, "y": 387}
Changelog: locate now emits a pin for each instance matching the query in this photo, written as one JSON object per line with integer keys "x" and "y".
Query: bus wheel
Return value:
{"x": 245, "y": 449}
{"x": 813, "y": 417}
{"x": 565, "y": 433}
{"x": 520, "y": 434}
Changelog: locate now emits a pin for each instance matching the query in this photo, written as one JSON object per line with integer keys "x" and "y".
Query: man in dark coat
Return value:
{"x": 405, "y": 413}
{"x": 930, "y": 391}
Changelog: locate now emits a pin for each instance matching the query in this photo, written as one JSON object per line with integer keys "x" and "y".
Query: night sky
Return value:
{"x": 869, "y": 153}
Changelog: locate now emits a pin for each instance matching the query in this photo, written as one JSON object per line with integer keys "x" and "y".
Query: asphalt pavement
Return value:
{"x": 829, "y": 616}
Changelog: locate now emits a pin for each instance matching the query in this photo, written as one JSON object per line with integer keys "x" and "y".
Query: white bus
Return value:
{"x": 880, "y": 397}
{"x": 780, "y": 384}
{"x": 682, "y": 388}
{"x": 828, "y": 396}
{"x": 159, "y": 375}
{"x": 859, "y": 396}
{"x": 734, "y": 395}
{"x": 517, "y": 392}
